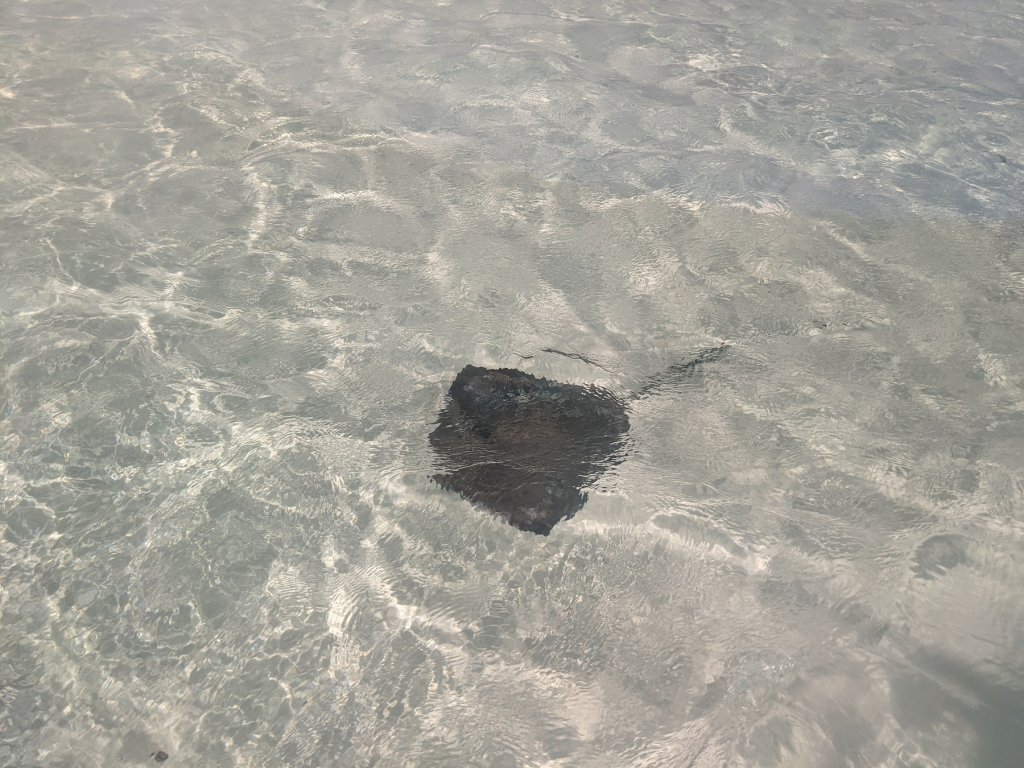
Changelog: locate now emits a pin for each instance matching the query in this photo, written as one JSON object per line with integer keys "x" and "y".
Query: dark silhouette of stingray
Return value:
{"x": 524, "y": 447}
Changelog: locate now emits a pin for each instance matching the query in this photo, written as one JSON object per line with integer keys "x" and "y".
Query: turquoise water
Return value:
{"x": 244, "y": 249}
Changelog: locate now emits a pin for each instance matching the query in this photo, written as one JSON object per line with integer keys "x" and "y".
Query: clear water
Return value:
{"x": 244, "y": 248}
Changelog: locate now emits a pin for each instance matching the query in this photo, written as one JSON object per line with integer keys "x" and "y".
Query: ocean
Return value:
{"x": 245, "y": 247}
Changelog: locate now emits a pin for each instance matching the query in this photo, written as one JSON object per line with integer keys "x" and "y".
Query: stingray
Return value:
{"x": 526, "y": 448}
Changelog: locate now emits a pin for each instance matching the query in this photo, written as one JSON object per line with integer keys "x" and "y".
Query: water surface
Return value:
{"x": 244, "y": 248}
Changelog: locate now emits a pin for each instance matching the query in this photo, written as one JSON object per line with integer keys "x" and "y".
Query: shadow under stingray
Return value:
{"x": 524, "y": 447}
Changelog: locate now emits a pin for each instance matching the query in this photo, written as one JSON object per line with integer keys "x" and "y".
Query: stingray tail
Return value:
{"x": 678, "y": 374}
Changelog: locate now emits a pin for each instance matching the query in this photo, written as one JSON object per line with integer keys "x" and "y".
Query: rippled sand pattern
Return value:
{"x": 244, "y": 248}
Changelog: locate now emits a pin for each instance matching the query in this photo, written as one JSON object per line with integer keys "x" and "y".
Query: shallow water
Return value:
{"x": 244, "y": 248}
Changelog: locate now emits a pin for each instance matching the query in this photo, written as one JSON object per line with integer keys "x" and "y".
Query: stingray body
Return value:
{"x": 525, "y": 448}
